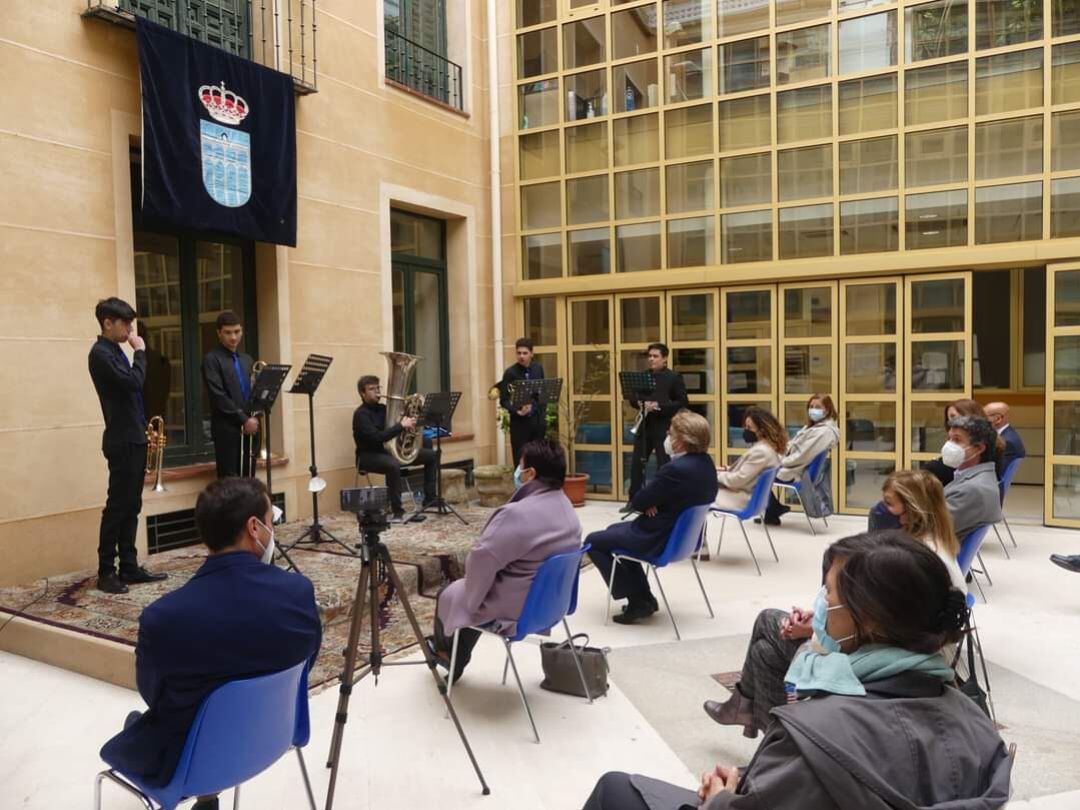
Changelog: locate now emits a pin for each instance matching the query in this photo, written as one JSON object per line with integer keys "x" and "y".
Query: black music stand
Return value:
{"x": 264, "y": 394}
{"x": 439, "y": 410}
{"x": 537, "y": 393}
{"x": 637, "y": 385}
{"x": 307, "y": 382}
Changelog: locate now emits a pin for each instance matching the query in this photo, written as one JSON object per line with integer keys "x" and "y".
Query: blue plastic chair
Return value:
{"x": 551, "y": 598}
{"x": 812, "y": 470}
{"x": 1003, "y": 488}
{"x": 759, "y": 501}
{"x": 970, "y": 546}
{"x": 684, "y": 540}
{"x": 242, "y": 728}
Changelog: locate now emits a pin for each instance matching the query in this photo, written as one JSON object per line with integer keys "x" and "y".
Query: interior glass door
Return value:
{"x": 871, "y": 362}
{"x": 1062, "y": 489}
{"x": 639, "y": 321}
{"x": 808, "y": 352}
{"x": 693, "y": 336}
{"x": 936, "y": 356}
{"x": 747, "y": 362}
{"x": 592, "y": 387}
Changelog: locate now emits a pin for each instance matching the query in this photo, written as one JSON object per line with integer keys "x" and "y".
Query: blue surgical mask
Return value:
{"x": 816, "y": 414}
{"x": 517, "y": 478}
{"x": 821, "y": 617}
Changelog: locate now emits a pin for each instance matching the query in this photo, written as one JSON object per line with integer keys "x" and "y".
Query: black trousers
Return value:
{"x": 524, "y": 429}
{"x": 444, "y": 642}
{"x": 386, "y": 465}
{"x": 120, "y": 517}
{"x": 615, "y": 792}
{"x": 631, "y": 581}
{"x": 649, "y": 439}
{"x": 227, "y": 452}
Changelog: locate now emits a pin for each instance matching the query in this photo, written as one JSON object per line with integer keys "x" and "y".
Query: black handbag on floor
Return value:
{"x": 561, "y": 674}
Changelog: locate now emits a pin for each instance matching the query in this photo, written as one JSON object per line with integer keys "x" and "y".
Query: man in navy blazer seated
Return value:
{"x": 238, "y": 617}
{"x": 997, "y": 413}
{"x": 689, "y": 479}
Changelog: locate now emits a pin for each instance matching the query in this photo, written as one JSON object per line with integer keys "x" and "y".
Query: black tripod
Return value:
{"x": 307, "y": 382}
{"x": 438, "y": 410}
{"x": 376, "y": 567}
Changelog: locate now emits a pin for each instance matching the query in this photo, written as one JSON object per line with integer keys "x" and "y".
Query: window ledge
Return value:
{"x": 425, "y": 97}
{"x": 186, "y": 471}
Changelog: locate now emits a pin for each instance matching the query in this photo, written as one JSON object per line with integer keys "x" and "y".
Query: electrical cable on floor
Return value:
{"x": 21, "y": 611}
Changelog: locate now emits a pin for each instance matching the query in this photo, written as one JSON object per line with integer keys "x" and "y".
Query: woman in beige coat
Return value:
{"x": 819, "y": 434}
{"x": 767, "y": 440}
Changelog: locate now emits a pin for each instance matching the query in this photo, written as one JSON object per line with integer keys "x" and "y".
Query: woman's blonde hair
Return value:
{"x": 923, "y": 498}
{"x": 692, "y": 430}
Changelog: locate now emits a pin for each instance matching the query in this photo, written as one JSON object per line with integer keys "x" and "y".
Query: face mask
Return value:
{"x": 268, "y": 550}
{"x": 816, "y": 414}
{"x": 821, "y": 617}
{"x": 517, "y": 478}
{"x": 749, "y": 437}
{"x": 953, "y": 454}
{"x": 667, "y": 446}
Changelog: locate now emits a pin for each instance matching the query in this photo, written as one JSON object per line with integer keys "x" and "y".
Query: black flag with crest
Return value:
{"x": 218, "y": 140}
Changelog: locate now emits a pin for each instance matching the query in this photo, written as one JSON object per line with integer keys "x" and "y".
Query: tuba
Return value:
{"x": 156, "y": 438}
{"x": 404, "y": 447}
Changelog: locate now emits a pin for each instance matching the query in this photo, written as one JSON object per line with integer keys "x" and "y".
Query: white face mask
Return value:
{"x": 816, "y": 414}
{"x": 670, "y": 450}
{"x": 268, "y": 549}
{"x": 953, "y": 454}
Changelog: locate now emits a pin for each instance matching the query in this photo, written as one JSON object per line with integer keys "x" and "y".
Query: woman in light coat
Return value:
{"x": 818, "y": 435}
{"x": 767, "y": 440}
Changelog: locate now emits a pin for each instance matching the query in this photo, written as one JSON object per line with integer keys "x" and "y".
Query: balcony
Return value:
{"x": 279, "y": 34}
{"x": 415, "y": 68}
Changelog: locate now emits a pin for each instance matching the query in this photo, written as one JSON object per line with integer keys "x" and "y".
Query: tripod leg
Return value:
{"x": 345, "y": 690}
{"x": 384, "y": 554}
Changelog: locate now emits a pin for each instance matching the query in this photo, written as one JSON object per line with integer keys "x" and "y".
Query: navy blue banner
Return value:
{"x": 218, "y": 141}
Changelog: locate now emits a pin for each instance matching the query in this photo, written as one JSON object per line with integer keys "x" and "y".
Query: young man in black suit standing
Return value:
{"x": 527, "y": 423}
{"x": 666, "y": 400}
{"x": 227, "y": 373}
{"x": 119, "y": 385}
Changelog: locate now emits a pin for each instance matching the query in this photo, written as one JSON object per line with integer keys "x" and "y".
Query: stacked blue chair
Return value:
{"x": 242, "y": 728}
{"x": 551, "y": 598}
{"x": 1003, "y": 488}
{"x": 970, "y": 544}
{"x": 812, "y": 471}
{"x": 759, "y": 501}
{"x": 685, "y": 538}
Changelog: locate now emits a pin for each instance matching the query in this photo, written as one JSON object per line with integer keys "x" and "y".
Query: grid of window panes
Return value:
{"x": 683, "y": 133}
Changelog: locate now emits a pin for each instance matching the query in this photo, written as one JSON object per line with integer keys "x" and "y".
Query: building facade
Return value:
{"x": 393, "y": 249}
{"x": 875, "y": 199}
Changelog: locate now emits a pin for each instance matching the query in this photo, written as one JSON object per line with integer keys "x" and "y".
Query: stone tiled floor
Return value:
{"x": 401, "y": 753}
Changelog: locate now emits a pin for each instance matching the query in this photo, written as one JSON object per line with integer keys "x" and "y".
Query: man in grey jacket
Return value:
{"x": 972, "y": 496}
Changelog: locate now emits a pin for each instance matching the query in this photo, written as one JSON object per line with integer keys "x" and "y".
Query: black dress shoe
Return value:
{"x": 139, "y": 575}
{"x": 626, "y": 510}
{"x": 110, "y": 583}
{"x": 635, "y": 612}
{"x": 1066, "y": 561}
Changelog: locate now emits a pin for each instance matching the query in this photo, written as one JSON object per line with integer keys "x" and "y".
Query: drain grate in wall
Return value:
{"x": 177, "y": 529}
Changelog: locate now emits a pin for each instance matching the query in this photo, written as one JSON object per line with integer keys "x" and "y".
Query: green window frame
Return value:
{"x": 415, "y": 281}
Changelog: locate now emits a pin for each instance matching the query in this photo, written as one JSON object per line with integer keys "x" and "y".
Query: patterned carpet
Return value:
{"x": 426, "y": 555}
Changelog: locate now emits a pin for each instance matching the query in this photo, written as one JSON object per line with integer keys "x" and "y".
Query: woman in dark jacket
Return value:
{"x": 875, "y": 724}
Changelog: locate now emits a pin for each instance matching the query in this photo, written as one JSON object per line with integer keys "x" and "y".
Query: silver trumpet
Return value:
{"x": 638, "y": 420}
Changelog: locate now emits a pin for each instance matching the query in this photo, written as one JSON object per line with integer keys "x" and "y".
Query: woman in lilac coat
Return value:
{"x": 535, "y": 524}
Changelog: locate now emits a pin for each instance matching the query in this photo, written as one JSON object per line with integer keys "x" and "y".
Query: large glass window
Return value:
{"x": 586, "y": 148}
{"x": 869, "y": 226}
{"x": 583, "y": 43}
{"x": 690, "y": 187}
{"x": 789, "y": 12}
{"x": 805, "y": 173}
{"x": 638, "y": 247}
{"x": 540, "y": 206}
{"x": 637, "y": 140}
{"x": 689, "y": 75}
{"x": 590, "y": 252}
{"x": 535, "y": 12}
{"x": 1009, "y": 148}
{"x": 936, "y": 220}
{"x": 586, "y": 95}
{"x": 587, "y": 199}
{"x": 686, "y": 22}
{"x": 936, "y": 157}
{"x": 538, "y": 52}
{"x": 637, "y": 194}
{"x": 538, "y": 103}
{"x": 1009, "y": 81}
{"x": 744, "y": 65}
{"x": 868, "y": 166}
{"x": 741, "y": 18}
{"x": 937, "y": 93}
{"x": 421, "y": 315}
{"x": 747, "y": 237}
{"x": 1009, "y": 213}
{"x": 803, "y": 55}
{"x": 1066, "y": 14}
{"x": 633, "y": 32}
{"x": 868, "y": 43}
{"x": 745, "y": 123}
{"x": 1065, "y": 141}
{"x": 868, "y": 104}
{"x": 1065, "y": 207}
{"x": 538, "y": 155}
{"x": 688, "y": 132}
{"x": 804, "y": 114}
{"x": 690, "y": 242}
{"x": 1065, "y": 72}
{"x": 541, "y": 255}
{"x": 806, "y": 231}
{"x": 746, "y": 180}
{"x": 635, "y": 86}
{"x": 937, "y": 29}
{"x": 1007, "y": 22}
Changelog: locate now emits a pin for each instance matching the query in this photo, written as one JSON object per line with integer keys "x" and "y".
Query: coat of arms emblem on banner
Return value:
{"x": 226, "y": 151}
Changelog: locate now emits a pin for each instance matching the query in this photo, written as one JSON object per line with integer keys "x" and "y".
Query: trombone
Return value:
{"x": 247, "y": 440}
{"x": 156, "y": 438}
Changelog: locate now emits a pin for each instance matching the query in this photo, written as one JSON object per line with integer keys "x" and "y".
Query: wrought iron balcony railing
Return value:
{"x": 280, "y": 34}
{"x": 426, "y": 72}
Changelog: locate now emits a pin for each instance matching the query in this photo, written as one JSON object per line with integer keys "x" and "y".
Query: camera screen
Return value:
{"x": 364, "y": 499}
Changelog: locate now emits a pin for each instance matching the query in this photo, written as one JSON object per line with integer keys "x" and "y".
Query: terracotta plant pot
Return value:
{"x": 574, "y": 487}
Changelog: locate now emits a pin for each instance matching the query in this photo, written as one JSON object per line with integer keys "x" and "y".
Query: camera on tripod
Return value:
{"x": 369, "y": 504}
